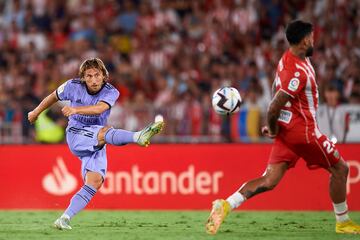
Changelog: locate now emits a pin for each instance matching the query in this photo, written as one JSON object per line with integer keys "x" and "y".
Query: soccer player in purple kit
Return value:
{"x": 87, "y": 134}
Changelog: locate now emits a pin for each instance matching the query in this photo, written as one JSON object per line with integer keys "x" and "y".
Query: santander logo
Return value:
{"x": 60, "y": 181}
{"x": 190, "y": 181}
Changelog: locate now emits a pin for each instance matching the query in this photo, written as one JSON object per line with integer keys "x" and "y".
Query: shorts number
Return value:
{"x": 328, "y": 146}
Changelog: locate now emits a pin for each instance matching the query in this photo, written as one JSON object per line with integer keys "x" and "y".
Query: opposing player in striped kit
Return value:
{"x": 291, "y": 123}
{"x": 87, "y": 134}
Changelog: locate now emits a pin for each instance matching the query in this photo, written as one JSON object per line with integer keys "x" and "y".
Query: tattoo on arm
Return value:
{"x": 279, "y": 100}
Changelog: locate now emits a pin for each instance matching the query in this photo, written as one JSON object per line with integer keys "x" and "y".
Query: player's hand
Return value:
{"x": 32, "y": 116}
{"x": 266, "y": 132}
{"x": 68, "y": 111}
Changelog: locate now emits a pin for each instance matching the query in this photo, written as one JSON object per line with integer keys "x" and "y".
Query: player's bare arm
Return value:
{"x": 273, "y": 89}
{"x": 279, "y": 101}
{"x": 97, "y": 109}
{"x": 46, "y": 103}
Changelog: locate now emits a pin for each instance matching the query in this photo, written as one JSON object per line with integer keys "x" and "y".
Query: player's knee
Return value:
{"x": 101, "y": 135}
{"x": 341, "y": 170}
{"x": 95, "y": 183}
{"x": 344, "y": 169}
{"x": 94, "y": 179}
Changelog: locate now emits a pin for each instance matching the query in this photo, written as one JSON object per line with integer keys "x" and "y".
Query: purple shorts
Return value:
{"x": 82, "y": 141}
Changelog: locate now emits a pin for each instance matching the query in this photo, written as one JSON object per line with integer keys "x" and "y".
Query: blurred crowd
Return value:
{"x": 169, "y": 56}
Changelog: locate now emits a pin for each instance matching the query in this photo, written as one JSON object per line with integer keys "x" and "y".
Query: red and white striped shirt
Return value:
{"x": 296, "y": 77}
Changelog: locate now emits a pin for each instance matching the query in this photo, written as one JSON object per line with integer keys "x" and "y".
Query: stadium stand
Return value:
{"x": 168, "y": 57}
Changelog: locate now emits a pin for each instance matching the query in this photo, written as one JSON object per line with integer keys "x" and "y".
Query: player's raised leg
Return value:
{"x": 339, "y": 173}
{"x": 221, "y": 208}
{"x": 120, "y": 137}
{"x": 93, "y": 182}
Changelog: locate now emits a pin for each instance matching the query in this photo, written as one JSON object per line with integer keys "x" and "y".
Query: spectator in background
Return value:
{"x": 332, "y": 116}
{"x": 245, "y": 125}
{"x": 355, "y": 93}
{"x": 127, "y": 19}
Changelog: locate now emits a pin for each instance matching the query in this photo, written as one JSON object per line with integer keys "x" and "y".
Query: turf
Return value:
{"x": 171, "y": 225}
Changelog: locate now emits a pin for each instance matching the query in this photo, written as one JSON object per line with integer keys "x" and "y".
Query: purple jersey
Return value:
{"x": 77, "y": 93}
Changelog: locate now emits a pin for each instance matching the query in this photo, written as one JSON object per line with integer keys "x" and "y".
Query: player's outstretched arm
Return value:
{"x": 97, "y": 109}
{"x": 279, "y": 101}
{"x": 45, "y": 103}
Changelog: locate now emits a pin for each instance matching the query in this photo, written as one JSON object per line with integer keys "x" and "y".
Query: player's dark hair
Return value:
{"x": 297, "y": 30}
{"x": 93, "y": 63}
{"x": 331, "y": 87}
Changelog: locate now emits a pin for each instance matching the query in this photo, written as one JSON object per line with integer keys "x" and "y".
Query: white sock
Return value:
{"x": 136, "y": 136}
{"x": 236, "y": 200}
{"x": 341, "y": 211}
{"x": 65, "y": 216}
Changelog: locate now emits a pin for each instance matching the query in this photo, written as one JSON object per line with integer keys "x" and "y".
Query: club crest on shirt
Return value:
{"x": 294, "y": 84}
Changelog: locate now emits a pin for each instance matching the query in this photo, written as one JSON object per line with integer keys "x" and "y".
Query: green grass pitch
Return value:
{"x": 171, "y": 225}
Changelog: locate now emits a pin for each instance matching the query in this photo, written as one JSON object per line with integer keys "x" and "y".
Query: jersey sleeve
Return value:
{"x": 110, "y": 97}
{"x": 292, "y": 82}
{"x": 63, "y": 92}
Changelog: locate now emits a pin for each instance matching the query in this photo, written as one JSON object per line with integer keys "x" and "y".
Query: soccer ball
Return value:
{"x": 226, "y": 100}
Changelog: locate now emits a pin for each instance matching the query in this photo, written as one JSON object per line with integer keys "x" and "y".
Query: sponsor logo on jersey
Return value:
{"x": 294, "y": 84}
{"x": 285, "y": 116}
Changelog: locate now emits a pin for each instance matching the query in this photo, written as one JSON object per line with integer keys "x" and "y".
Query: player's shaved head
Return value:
{"x": 93, "y": 63}
{"x": 297, "y": 30}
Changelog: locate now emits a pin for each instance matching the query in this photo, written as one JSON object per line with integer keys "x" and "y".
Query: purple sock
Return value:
{"x": 80, "y": 200}
{"x": 119, "y": 137}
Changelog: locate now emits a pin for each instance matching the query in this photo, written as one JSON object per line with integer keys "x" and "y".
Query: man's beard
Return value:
{"x": 309, "y": 52}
